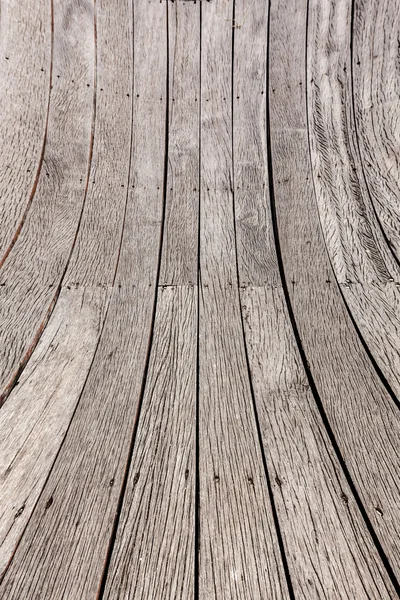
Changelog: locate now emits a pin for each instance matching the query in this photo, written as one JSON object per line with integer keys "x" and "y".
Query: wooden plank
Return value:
{"x": 239, "y": 551}
{"x": 25, "y": 80}
{"x": 362, "y": 261}
{"x": 38, "y": 411}
{"x": 328, "y": 549}
{"x": 153, "y": 555}
{"x": 376, "y": 99}
{"x": 36, "y": 416}
{"x": 154, "y": 551}
{"x": 67, "y": 538}
{"x": 362, "y": 417}
{"x": 179, "y": 257}
{"x": 33, "y": 271}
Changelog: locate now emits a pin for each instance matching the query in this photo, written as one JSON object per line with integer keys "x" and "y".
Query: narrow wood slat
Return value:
{"x": 363, "y": 264}
{"x": 376, "y": 97}
{"x": 33, "y": 270}
{"x": 25, "y": 79}
{"x": 38, "y": 411}
{"x": 65, "y": 545}
{"x": 359, "y": 411}
{"x": 239, "y": 551}
{"x": 153, "y": 555}
{"x": 329, "y": 551}
{"x": 154, "y": 550}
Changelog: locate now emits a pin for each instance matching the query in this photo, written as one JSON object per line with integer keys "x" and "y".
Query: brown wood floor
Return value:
{"x": 199, "y": 299}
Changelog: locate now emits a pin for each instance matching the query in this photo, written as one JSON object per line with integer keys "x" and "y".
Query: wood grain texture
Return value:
{"x": 97, "y": 247}
{"x": 179, "y": 256}
{"x": 360, "y": 256}
{"x": 375, "y": 81}
{"x": 239, "y": 553}
{"x": 25, "y": 80}
{"x": 153, "y": 554}
{"x": 38, "y": 411}
{"x": 35, "y": 418}
{"x": 33, "y": 271}
{"x": 361, "y": 414}
{"x": 327, "y": 545}
{"x": 67, "y": 538}
{"x": 154, "y": 551}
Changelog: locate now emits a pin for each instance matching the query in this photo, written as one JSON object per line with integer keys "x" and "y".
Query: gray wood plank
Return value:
{"x": 64, "y": 548}
{"x": 363, "y": 264}
{"x": 25, "y": 80}
{"x": 34, "y": 420}
{"x": 328, "y": 549}
{"x": 361, "y": 414}
{"x": 376, "y": 98}
{"x": 33, "y": 270}
{"x": 179, "y": 257}
{"x": 239, "y": 551}
{"x": 153, "y": 555}
{"x": 38, "y": 411}
{"x": 154, "y": 550}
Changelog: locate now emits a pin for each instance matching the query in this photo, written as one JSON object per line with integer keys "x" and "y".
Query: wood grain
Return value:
{"x": 362, "y": 417}
{"x": 327, "y": 545}
{"x": 33, "y": 271}
{"x": 67, "y": 538}
{"x": 154, "y": 550}
{"x": 239, "y": 552}
{"x": 362, "y": 261}
{"x": 376, "y": 99}
{"x": 25, "y": 82}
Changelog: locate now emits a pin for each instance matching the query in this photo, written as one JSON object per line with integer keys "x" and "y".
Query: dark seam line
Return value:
{"x": 307, "y": 369}
{"x": 113, "y": 536}
{"x": 357, "y": 137}
{"x": 36, "y": 338}
{"x": 197, "y": 443}
{"x": 41, "y": 157}
{"x": 383, "y": 378}
{"x": 95, "y": 351}
{"x": 250, "y": 379}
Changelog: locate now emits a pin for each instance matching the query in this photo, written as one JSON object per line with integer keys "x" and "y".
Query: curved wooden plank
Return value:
{"x": 362, "y": 418}
{"x": 239, "y": 551}
{"x": 327, "y": 545}
{"x": 363, "y": 264}
{"x": 25, "y": 81}
{"x": 153, "y": 554}
{"x": 38, "y": 411}
{"x": 33, "y": 271}
{"x": 376, "y": 98}
{"x": 67, "y": 538}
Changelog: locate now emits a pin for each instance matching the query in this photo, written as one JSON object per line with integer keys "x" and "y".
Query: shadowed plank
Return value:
{"x": 239, "y": 551}
{"x": 153, "y": 555}
{"x": 38, "y": 411}
{"x": 361, "y": 415}
{"x": 25, "y": 79}
{"x": 361, "y": 259}
{"x": 377, "y": 115}
{"x": 328, "y": 549}
{"x": 64, "y": 548}
{"x": 34, "y": 269}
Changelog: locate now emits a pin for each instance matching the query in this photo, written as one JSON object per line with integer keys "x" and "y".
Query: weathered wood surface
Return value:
{"x": 198, "y": 312}
{"x": 26, "y": 56}
{"x": 375, "y": 82}
{"x": 314, "y": 504}
{"x": 157, "y": 524}
{"x": 33, "y": 271}
{"x": 363, "y": 264}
